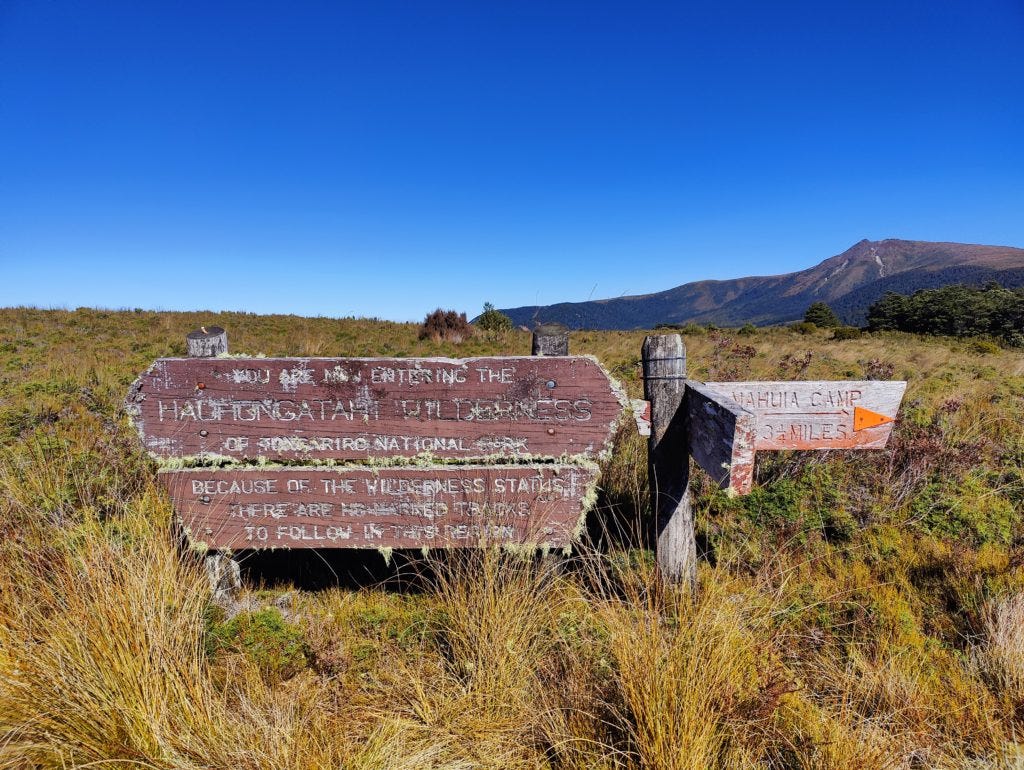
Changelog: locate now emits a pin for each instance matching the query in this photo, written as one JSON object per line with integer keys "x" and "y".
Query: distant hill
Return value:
{"x": 849, "y": 282}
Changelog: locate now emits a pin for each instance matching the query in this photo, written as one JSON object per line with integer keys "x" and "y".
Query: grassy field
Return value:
{"x": 858, "y": 610}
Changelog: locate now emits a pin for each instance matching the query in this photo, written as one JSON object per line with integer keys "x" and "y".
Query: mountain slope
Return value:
{"x": 849, "y": 282}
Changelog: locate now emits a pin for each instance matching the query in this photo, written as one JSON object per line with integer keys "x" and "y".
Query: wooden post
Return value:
{"x": 222, "y": 571}
{"x": 207, "y": 342}
{"x": 664, "y": 364}
{"x": 551, "y": 340}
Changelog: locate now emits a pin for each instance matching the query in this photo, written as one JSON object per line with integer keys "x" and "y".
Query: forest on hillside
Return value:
{"x": 955, "y": 311}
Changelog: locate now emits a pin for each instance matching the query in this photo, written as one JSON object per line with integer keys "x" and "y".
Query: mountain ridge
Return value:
{"x": 849, "y": 282}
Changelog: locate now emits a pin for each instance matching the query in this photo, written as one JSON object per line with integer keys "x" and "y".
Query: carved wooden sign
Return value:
{"x": 729, "y": 421}
{"x": 360, "y": 409}
{"x": 373, "y": 414}
{"x": 818, "y": 415}
{"x": 395, "y": 507}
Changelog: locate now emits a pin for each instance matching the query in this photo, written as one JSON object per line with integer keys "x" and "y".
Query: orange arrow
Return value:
{"x": 865, "y": 418}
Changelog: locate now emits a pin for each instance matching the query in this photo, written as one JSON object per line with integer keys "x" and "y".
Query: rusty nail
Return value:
{"x": 551, "y": 431}
{"x": 201, "y": 385}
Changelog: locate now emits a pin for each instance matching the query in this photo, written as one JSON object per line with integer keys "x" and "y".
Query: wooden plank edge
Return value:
{"x": 730, "y": 463}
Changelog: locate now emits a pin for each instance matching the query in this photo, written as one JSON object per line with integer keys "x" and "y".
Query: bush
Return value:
{"x": 493, "y": 320}
{"x": 822, "y": 315}
{"x": 747, "y": 329}
{"x": 446, "y": 325}
{"x": 275, "y": 646}
{"x": 984, "y": 346}
{"x": 846, "y": 333}
{"x": 803, "y": 327}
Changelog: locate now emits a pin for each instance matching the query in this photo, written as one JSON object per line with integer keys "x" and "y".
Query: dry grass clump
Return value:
{"x": 695, "y": 678}
{"x": 1000, "y": 656}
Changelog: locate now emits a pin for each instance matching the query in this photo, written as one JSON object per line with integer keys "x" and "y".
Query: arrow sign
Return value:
{"x": 865, "y": 418}
{"x": 818, "y": 414}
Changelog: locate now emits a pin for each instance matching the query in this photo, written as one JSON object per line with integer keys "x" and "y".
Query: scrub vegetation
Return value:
{"x": 858, "y": 610}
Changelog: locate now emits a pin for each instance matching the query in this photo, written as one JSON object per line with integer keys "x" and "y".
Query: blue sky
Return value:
{"x": 383, "y": 159}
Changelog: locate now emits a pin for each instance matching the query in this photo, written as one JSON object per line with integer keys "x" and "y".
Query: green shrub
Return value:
{"x": 984, "y": 346}
{"x": 821, "y": 315}
{"x": 846, "y": 333}
{"x": 493, "y": 320}
{"x": 803, "y": 327}
{"x": 274, "y": 645}
{"x": 747, "y": 329}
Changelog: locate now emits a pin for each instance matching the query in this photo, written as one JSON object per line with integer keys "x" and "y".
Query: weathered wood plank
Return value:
{"x": 818, "y": 415}
{"x": 396, "y": 507}
{"x": 370, "y": 408}
{"x": 722, "y": 437}
{"x": 664, "y": 364}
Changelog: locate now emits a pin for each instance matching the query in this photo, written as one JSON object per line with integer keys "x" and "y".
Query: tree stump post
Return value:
{"x": 664, "y": 366}
{"x": 222, "y": 571}
{"x": 207, "y": 342}
{"x": 550, "y": 340}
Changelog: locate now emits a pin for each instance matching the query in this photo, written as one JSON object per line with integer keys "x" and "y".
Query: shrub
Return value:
{"x": 747, "y": 329}
{"x": 822, "y": 315}
{"x": 275, "y": 646}
{"x": 445, "y": 325}
{"x": 493, "y": 320}
{"x": 803, "y": 327}
{"x": 846, "y": 333}
{"x": 984, "y": 346}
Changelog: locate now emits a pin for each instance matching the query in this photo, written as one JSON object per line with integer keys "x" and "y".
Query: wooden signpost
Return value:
{"x": 726, "y": 423}
{"x": 736, "y": 419}
{"x": 375, "y": 452}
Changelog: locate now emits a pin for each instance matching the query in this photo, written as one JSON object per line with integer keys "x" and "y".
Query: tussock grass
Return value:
{"x": 857, "y": 611}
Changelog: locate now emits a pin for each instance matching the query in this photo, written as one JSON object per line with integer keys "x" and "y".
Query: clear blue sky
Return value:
{"x": 383, "y": 158}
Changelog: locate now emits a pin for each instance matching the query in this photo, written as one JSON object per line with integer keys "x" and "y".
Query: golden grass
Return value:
{"x": 855, "y": 612}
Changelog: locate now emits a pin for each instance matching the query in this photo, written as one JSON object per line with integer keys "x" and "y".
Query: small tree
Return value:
{"x": 821, "y": 315}
{"x": 493, "y": 320}
{"x": 446, "y": 325}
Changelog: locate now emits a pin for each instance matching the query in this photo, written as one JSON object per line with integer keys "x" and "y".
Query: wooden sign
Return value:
{"x": 317, "y": 409}
{"x": 395, "y": 507}
{"x": 817, "y": 415}
{"x": 721, "y": 436}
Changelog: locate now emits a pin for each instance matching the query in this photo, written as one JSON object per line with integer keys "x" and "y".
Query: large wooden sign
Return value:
{"x": 818, "y": 415}
{"x": 249, "y": 415}
{"x": 396, "y": 507}
{"x": 363, "y": 409}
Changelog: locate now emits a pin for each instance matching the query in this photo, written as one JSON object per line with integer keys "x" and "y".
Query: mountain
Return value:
{"x": 849, "y": 282}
